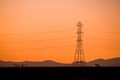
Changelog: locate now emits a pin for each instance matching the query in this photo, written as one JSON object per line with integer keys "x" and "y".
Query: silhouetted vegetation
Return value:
{"x": 97, "y": 65}
{"x": 20, "y": 65}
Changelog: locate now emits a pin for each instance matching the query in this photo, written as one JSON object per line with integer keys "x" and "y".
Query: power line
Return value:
{"x": 56, "y": 31}
{"x": 37, "y": 48}
{"x": 37, "y": 40}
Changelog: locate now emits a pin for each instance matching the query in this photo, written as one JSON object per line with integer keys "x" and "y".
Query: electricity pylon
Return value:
{"x": 79, "y": 58}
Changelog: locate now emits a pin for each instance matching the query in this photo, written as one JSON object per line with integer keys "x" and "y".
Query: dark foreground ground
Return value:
{"x": 60, "y": 73}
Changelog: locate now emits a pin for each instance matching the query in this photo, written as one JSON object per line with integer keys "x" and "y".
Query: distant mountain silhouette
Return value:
{"x": 46, "y": 63}
{"x": 49, "y": 63}
{"x": 102, "y": 62}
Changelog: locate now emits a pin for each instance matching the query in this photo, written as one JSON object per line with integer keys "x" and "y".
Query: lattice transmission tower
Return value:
{"x": 79, "y": 58}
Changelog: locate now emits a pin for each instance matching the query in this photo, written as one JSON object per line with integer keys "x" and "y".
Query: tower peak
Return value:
{"x": 79, "y": 24}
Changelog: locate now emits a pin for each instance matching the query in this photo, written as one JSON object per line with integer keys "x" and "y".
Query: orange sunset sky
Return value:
{"x": 37, "y": 30}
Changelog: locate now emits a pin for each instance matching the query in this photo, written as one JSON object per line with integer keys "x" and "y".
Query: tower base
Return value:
{"x": 79, "y": 63}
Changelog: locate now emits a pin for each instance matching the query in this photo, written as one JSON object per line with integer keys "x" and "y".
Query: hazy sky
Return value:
{"x": 23, "y": 22}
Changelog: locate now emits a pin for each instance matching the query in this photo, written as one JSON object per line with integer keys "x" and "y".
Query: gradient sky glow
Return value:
{"x": 101, "y": 20}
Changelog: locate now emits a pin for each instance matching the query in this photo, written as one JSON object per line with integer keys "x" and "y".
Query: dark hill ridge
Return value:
{"x": 115, "y": 62}
{"x": 108, "y": 62}
{"x": 46, "y": 63}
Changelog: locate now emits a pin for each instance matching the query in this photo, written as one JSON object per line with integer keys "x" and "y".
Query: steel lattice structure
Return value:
{"x": 79, "y": 58}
